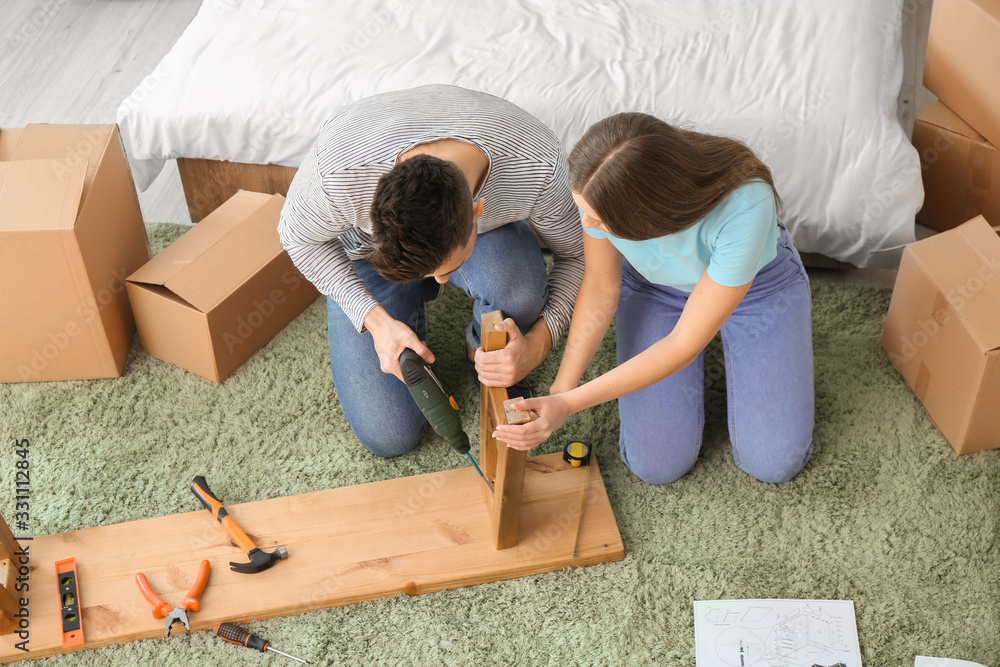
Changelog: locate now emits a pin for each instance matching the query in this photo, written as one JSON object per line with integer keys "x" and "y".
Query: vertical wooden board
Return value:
{"x": 8, "y": 545}
{"x": 487, "y": 446}
{"x": 9, "y": 570}
{"x": 505, "y": 505}
{"x": 492, "y": 340}
{"x": 9, "y": 606}
{"x": 8, "y": 601}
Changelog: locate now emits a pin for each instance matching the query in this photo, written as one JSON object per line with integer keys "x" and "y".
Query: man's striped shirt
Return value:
{"x": 325, "y": 221}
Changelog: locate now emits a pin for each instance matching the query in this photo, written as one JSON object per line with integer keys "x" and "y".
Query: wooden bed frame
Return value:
{"x": 208, "y": 183}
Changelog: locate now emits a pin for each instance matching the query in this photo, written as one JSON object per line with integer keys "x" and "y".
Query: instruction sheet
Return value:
{"x": 776, "y": 633}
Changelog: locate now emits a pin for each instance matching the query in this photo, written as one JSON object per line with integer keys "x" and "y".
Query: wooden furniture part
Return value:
{"x": 815, "y": 260}
{"x": 209, "y": 183}
{"x": 503, "y": 466}
{"x": 412, "y": 535}
{"x": 9, "y": 604}
{"x": 515, "y": 416}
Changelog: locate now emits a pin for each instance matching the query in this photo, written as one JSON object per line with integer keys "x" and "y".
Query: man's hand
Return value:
{"x": 391, "y": 337}
{"x": 548, "y": 414}
{"x": 522, "y": 355}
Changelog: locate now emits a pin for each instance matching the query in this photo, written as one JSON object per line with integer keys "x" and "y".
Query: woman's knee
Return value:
{"x": 659, "y": 475}
{"x": 661, "y": 465}
{"x": 775, "y": 463}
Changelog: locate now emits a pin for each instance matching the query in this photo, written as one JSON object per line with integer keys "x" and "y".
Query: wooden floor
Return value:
{"x": 74, "y": 61}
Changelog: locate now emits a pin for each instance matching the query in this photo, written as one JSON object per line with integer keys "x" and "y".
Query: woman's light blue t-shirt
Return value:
{"x": 733, "y": 242}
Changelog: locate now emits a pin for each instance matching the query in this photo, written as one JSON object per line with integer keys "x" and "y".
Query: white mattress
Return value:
{"x": 811, "y": 85}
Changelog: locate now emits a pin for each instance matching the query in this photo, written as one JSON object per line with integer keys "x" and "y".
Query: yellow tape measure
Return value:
{"x": 577, "y": 454}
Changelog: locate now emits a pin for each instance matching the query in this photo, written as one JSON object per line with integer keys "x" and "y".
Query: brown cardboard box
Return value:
{"x": 961, "y": 170}
{"x": 217, "y": 294}
{"x": 963, "y": 61}
{"x": 70, "y": 233}
{"x": 943, "y": 331}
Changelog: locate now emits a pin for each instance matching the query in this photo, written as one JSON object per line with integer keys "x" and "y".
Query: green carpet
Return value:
{"x": 884, "y": 514}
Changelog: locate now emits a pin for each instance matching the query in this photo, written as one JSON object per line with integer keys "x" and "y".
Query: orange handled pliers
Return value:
{"x": 163, "y": 610}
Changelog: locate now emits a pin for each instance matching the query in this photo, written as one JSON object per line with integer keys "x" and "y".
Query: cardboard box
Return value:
{"x": 70, "y": 233}
{"x": 961, "y": 170}
{"x": 943, "y": 331}
{"x": 963, "y": 61}
{"x": 217, "y": 294}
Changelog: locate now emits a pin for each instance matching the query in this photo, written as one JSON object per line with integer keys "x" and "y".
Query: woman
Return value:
{"x": 681, "y": 232}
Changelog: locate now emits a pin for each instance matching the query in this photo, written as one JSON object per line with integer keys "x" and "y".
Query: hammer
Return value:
{"x": 260, "y": 560}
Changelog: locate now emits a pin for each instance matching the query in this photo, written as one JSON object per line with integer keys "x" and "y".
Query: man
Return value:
{"x": 406, "y": 191}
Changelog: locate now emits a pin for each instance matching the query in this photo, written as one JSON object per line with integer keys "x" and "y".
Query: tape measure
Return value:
{"x": 577, "y": 454}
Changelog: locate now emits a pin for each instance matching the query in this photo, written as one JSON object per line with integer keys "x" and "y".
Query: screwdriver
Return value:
{"x": 234, "y": 634}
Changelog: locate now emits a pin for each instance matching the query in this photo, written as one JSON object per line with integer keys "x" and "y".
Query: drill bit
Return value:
{"x": 476, "y": 465}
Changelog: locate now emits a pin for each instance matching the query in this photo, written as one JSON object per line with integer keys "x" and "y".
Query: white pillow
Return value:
{"x": 811, "y": 85}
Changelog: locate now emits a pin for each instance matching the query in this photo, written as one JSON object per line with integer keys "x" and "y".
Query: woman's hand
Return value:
{"x": 560, "y": 387}
{"x": 548, "y": 414}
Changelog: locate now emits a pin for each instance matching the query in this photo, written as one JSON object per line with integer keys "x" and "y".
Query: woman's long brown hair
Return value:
{"x": 646, "y": 178}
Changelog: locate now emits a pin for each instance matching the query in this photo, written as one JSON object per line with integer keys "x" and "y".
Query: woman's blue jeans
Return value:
{"x": 767, "y": 344}
{"x": 505, "y": 272}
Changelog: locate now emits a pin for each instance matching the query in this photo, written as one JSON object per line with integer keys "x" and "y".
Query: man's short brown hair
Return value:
{"x": 421, "y": 214}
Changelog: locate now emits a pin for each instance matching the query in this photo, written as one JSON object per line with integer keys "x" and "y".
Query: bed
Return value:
{"x": 810, "y": 85}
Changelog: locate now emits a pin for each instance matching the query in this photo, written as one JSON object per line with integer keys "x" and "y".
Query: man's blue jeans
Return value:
{"x": 767, "y": 343}
{"x": 505, "y": 272}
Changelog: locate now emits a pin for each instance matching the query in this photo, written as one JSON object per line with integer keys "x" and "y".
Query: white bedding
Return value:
{"x": 811, "y": 85}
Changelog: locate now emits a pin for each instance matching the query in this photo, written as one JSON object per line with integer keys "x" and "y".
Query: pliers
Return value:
{"x": 161, "y": 609}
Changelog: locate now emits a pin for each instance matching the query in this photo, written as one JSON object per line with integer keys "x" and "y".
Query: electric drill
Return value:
{"x": 438, "y": 407}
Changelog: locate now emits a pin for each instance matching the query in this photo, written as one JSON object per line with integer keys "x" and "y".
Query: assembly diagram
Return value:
{"x": 776, "y": 633}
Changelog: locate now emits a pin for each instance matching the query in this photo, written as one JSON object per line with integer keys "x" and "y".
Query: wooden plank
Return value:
{"x": 515, "y": 416}
{"x": 8, "y": 545}
{"x": 487, "y": 446}
{"x": 492, "y": 340}
{"x": 412, "y": 535}
{"x": 8, "y": 569}
{"x": 9, "y": 605}
{"x": 209, "y": 183}
{"x": 817, "y": 261}
{"x": 505, "y": 503}
{"x": 508, "y": 489}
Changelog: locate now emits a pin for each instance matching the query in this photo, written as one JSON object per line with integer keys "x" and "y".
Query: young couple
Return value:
{"x": 673, "y": 233}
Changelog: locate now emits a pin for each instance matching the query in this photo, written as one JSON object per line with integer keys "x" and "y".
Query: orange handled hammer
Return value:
{"x": 260, "y": 560}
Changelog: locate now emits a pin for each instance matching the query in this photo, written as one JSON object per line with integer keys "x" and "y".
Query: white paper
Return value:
{"x": 924, "y": 661}
{"x": 776, "y": 633}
